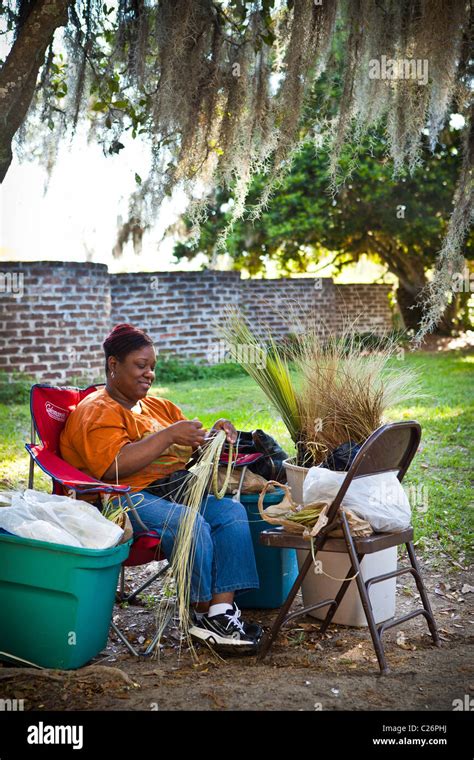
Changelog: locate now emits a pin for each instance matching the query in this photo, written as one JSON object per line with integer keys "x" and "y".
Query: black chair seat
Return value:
{"x": 278, "y": 537}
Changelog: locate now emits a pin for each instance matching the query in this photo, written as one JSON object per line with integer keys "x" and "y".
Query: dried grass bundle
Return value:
{"x": 178, "y": 577}
{"x": 337, "y": 392}
{"x": 345, "y": 391}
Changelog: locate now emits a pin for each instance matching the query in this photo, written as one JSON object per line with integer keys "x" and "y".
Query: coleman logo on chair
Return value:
{"x": 55, "y": 412}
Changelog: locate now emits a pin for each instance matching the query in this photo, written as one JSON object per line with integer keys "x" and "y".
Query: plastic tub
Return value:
{"x": 56, "y": 601}
{"x": 317, "y": 587}
{"x": 277, "y": 568}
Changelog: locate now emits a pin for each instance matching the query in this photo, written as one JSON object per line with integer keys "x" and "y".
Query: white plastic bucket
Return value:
{"x": 317, "y": 587}
{"x": 295, "y": 476}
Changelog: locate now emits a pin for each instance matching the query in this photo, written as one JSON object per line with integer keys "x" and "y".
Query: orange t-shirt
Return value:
{"x": 97, "y": 429}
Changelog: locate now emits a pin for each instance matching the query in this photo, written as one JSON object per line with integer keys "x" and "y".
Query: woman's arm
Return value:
{"x": 133, "y": 457}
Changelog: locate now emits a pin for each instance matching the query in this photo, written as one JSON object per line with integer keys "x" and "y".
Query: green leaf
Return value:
{"x": 99, "y": 106}
{"x": 120, "y": 104}
{"x": 268, "y": 38}
{"x": 138, "y": 179}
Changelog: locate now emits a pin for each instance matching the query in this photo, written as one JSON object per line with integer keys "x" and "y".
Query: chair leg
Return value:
{"x": 144, "y": 585}
{"x": 152, "y": 645}
{"x": 272, "y": 634}
{"x": 339, "y": 597}
{"x": 31, "y": 470}
{"x": 424, "y": 596}
{"x": 376, "y": 638}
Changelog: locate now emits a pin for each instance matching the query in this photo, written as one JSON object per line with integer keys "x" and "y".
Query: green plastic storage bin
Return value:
{"x": 277, "y": 568}
{"x": 56, "y": 601}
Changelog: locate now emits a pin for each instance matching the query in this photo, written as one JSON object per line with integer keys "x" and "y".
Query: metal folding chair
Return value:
{"x": 391, "y": 448}
{"x": 50, "y": 407}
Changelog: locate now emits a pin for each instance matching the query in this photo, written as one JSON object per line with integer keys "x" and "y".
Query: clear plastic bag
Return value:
{"x": 379, "y": 499}
{"x": 58, "y": 519}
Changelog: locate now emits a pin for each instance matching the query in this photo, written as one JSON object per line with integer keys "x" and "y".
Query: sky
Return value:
{"x": 77, "y": 217}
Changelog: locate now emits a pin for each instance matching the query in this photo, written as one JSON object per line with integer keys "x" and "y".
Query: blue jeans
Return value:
{"x": 224, "y": 559}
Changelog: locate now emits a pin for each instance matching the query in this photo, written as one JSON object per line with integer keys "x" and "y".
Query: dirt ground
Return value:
{"x": 303, "y": 671}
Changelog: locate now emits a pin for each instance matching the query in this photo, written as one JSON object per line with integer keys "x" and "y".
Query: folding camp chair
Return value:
{"x": 50, "y": 408}
{"x": 390, "y": 448}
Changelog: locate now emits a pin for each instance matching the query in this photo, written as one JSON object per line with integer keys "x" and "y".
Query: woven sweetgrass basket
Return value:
{"x": 286, "y": 506}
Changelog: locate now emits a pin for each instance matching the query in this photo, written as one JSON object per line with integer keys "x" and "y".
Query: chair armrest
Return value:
{"x": 67, "y": 475}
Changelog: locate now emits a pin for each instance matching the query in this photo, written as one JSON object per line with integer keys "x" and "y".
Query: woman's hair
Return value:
{"x": 123, "y": 339}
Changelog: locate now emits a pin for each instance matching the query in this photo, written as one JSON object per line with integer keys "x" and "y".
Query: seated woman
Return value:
{"x": 120, "y": 435}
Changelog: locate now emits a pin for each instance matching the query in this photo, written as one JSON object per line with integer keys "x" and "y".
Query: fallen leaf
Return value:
{"x": 403, "y": 643}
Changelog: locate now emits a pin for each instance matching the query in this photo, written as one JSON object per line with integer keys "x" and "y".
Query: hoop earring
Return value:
{"x": 113, "y": 374}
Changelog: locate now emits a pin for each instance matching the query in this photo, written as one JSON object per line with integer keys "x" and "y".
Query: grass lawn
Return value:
{"x": 439, "y": 481}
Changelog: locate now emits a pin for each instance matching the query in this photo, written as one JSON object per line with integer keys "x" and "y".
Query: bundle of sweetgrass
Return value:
{"x": 346, "y": 390}
{"x": 181, "y": 563}
{"x": 267, "y": 364}
{"x": 327, "y": 392}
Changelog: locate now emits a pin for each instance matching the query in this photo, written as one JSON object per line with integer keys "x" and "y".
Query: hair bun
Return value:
{"x": 123, "y": 339}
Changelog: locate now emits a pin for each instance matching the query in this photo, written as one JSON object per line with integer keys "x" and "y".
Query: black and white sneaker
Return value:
{"x": 252, "y": 629}
{"x": 227, "y": 631}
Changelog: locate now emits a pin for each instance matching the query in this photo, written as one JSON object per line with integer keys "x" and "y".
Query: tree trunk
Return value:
{"x": 19, "y": 73}
{"x": 409, "y": 267}
{"x": 411, "y": 310}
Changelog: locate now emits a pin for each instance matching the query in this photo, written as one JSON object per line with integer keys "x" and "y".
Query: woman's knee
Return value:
{"x": 225, "y": 512}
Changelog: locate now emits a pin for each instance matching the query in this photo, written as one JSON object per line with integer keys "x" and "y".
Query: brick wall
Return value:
{"x": 366, "y": 307}
{"x": 52, "y": 324}
{"x": 54, "y": 316}
{"x": 177, "y": 308}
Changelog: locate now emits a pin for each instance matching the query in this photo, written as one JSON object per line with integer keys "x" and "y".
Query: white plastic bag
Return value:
{"x": 43, "y": 531}
{"x": 379, "y": 499}
{"x": 58, "y": 519}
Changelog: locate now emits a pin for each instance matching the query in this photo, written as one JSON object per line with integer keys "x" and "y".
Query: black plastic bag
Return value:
{"x": 342, "y": 457}
{"x": 270, "y": 464}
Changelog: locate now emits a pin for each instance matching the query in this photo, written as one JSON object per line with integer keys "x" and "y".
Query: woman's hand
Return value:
{"x": 227, "y": 426}
{"x": 187, "y": 433}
